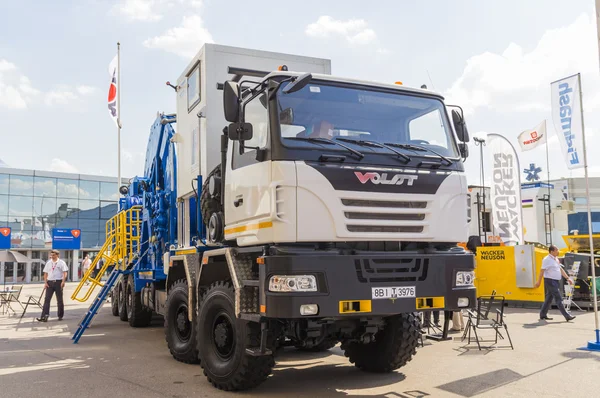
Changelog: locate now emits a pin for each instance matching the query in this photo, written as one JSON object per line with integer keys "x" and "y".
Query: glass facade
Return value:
{"x": 33, "y": 203}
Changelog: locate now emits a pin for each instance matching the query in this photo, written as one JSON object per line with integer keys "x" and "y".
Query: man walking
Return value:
{"x": 552, "y": 273}
{"x": 55, "y": 275}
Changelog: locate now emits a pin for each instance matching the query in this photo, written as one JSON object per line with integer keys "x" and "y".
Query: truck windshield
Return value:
{"x": 353, "y": 113}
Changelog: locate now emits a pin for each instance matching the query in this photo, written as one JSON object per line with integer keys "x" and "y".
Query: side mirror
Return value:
{"x": 286, "y": 116}
{"x": 231, "y": 101}
{"x": 460, "y": 126}
{"x": 464, "y": 149}
{"x": 240, "y": 131}
{"x": 298, "y": 84}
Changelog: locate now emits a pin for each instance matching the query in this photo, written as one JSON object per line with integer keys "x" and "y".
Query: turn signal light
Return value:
{"x": 282, "y": 68}
{"x": 398, "y": 83}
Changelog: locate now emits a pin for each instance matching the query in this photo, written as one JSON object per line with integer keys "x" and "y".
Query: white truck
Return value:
{"x": 311, "y": 210}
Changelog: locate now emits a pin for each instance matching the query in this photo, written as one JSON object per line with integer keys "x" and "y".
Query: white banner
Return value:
{"x": 505, "y": 191}
{"x": 112, "y": 90}
{"x": 530, "y": 139}
{"x": 566, "y": 115}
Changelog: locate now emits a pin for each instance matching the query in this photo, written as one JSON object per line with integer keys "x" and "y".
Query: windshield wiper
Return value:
{"x": 376, "y": 145}
{"x": 329, "y": 142}
{"x": 420, "y": 148}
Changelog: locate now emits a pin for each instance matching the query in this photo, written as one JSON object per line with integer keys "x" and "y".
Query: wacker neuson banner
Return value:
{"x": 566, "y": 115}
{"x": 505, "y": 190}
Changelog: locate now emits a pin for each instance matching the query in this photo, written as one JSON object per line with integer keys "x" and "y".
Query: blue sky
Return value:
{"x": 496, "y": 58}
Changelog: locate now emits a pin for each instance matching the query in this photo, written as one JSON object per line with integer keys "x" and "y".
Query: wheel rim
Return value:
{"x": 183, "y": 327}
{"x": 223, "y": 336}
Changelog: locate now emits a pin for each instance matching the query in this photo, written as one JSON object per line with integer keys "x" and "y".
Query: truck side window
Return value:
{"x": 256, "y": 114}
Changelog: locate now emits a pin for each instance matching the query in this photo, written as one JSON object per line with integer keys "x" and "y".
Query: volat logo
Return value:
{"x": 5, "y": 231}
{"x": 75, "y": 233}
{"x": 376, "y": 178}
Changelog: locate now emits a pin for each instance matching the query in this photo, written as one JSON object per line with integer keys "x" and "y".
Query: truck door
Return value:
{"x": 247, "y": 194}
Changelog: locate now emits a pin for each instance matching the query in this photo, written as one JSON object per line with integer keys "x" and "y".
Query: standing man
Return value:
{"x": 55, "y": 275}
{"x": 552, "y": 273}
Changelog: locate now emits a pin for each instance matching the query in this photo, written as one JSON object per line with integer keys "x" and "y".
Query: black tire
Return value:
{"x": 180, "y": 332}
{"x": 394, "y": 346}
{"x": 326, "y": 344}
{"x": 122, "y": 299}
{"x": 114, "y": 300}
{"x": 208, "y": 203}
{"x": 138, "y": 315}
{"x": 222, "y": 342}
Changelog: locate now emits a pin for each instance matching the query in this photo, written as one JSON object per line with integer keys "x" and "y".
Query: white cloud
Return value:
{"x": 354, "y": 31}
{"x": 16, "y": 91}
{"x": 517, "y": 80}
{"x": 137, "y": 10}
{"x": 86, "y": 90}
{"x": 60, "y": 96}
{"x": 185, "y": 40}
{"x": 62, "y": 166}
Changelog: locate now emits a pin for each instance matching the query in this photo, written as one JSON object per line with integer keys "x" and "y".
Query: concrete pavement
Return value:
{"x": 112, "y": 359}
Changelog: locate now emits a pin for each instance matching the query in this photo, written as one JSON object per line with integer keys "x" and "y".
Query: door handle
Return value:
{"x": 238, "y": 201}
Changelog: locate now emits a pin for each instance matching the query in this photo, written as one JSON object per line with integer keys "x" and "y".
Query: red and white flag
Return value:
{"x": 530, "y": 139}
{"x": 112, "y": 91}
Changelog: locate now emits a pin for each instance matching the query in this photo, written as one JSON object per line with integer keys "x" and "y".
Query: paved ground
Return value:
{"x": 112, "y": 359}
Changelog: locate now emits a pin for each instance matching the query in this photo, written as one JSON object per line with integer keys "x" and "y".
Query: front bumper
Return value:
{"x": 352, "y": 277}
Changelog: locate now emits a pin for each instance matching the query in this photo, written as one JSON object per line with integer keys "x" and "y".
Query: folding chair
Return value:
{"x": 34, "y": 301}
{"x": 14, "y": 298}
{"x": 484, "y": 318}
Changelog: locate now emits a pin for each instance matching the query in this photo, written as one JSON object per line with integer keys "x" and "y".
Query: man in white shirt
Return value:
{"x": 552, "y": 273}
{"x": 55, "y": 275}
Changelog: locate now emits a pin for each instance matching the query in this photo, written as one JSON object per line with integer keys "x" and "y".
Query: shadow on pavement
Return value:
{"x": 323, "y": 380}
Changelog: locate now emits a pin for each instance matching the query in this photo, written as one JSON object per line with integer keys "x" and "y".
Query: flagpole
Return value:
{"x": 591, "y": 345}
{"x": 118, "y": 119}
{"x": 548, "y": 170}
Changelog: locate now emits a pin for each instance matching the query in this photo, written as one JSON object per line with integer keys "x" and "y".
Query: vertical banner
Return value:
{"x": 505, "y": 191}
{"x": 566, "y": 111}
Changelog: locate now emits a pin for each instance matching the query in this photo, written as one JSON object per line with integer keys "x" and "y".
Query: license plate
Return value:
{"x": 393, "y": 292}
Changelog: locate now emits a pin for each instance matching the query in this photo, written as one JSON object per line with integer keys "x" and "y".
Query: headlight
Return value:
{"x": 293, "y": 283}
{"x": 465, "y": 278}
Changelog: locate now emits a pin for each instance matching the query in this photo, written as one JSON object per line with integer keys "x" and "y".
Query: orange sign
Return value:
{"x": 5, "y": 231}
{"x": 75, "y": 233}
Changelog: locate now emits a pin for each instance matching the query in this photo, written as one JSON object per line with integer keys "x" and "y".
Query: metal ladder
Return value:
{"x": 547, "y": 219}
{"x": 96, "y": 304}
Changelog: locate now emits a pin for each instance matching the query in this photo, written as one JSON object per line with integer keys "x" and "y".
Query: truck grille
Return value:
{"x": 385, "y": 216}
{"x": 384, "y": 203}
{"x": 391, "y": 270}
{"x": 384, "y": 228}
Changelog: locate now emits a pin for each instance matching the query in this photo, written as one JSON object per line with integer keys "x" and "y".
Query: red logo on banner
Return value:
{"x": 5, "y": 231}
{"x": 75, "y": 233}
{"x": 534, "y": 135}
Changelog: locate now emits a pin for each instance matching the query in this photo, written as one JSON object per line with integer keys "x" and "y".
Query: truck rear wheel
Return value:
{"x": 180, "y": 332}
{"x": 122, "y": 289}
{"x": 394, "y": 346}
{"x": 137, "y": 314}
{"x": 222, "y": 343}
{"x": 114, "y": 300}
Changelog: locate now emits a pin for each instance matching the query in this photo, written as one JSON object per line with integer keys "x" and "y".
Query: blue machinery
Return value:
{"x": 145, "y": 227}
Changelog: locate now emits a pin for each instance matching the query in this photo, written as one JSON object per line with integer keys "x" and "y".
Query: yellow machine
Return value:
{"x": 511, "y": 271}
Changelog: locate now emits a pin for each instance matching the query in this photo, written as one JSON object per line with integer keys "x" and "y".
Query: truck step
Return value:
{"x": 250, "y": 317}
{"x": 256, "y": 352}
{"x": 250, "y": 283}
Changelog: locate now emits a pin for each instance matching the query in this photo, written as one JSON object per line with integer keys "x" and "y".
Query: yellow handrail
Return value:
{"x": 123, "y": 233}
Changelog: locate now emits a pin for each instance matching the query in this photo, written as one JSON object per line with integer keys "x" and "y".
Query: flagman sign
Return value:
{"x": 112, "y": 91}
{"x": 505, "y": 190}
{"x": 530, "y": 139}
{"x": 566, "y": 111}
